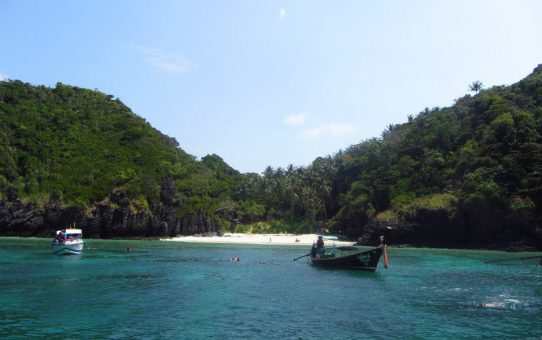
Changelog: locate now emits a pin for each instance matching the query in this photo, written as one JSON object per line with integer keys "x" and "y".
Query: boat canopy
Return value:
{"x": 74, "y": 232}
{"x": 331, "y": 238}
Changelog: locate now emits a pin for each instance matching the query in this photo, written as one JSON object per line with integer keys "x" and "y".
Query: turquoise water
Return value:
{"x": 175, "y": 290}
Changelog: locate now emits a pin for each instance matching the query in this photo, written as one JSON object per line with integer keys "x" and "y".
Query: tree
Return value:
{"x": 476, "y": 86}
{"x": 292, "y": 180}
{"x": 323, "y": 171}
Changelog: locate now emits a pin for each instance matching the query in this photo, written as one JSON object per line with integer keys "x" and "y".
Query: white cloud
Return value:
{"x": 3, "y": 78}
{"x": 331, "y": 129}
{"x": 296, "y": 119}
{"x": 167, "y": 62}
{"x": 282, "y": 13}
{"x": 311, "y": 126}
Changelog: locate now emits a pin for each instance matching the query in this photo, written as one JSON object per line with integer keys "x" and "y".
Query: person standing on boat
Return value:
{"x": 320, "y": 242}
{"x": 318, "y": 247}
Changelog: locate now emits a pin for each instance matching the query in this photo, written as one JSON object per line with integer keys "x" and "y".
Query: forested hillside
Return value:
{"x": 469, "y": 175}
{"x": 78, "y": 148}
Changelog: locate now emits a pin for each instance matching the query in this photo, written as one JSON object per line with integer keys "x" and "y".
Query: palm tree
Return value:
{"x": 323, "y": 171}
{"x": 267, "y": 180}
{"x": 291, "y": 185}
{"x": 476, "y": 86}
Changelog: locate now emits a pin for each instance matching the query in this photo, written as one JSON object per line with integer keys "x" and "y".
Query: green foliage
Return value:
{"x": 388, "y": 216}
{"x": 83, "y": 145}
{"x": 519, "y": 203}
{"x": 250, "y": 211}
{"x": 486, "y": 150}
{"x": 400, "y": 192}
{"x": 444, "y": 201}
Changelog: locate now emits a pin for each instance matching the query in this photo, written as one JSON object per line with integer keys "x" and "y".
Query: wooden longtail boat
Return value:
{"x": 350, "y": 257}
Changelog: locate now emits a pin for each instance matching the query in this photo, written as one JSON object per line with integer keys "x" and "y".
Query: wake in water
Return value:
{"x": 503, "y": 302}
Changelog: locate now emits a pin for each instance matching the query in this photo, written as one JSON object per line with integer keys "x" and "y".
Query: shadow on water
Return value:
{"x": 353, "y": 273}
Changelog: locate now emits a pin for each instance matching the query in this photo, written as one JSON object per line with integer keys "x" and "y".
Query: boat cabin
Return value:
{"x": 69, "y": 234}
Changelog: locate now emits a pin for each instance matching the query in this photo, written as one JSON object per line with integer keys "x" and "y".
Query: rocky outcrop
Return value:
{"x": 114, "y": 217}
{"x": 16, "y": 218}
{"x": 435, "y": 228}
{"x": 415, "y": 233}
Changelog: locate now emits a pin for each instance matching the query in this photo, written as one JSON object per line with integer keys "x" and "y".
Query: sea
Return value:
{"x": 171, "y": 290}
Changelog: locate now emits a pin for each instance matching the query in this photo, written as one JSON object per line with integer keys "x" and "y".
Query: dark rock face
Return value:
{"x": 436, "y": 228}
{"x": 16, "y": 216}
{"x": 115, "y": 218}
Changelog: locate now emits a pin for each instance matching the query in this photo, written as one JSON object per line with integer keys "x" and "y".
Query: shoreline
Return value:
{"x": 271, "y": 239}
{"x": 279, "y": 239}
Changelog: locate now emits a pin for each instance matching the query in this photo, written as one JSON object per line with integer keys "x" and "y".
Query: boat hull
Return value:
{"x": 366, "y": 260}
{"x": 74, "y": 248}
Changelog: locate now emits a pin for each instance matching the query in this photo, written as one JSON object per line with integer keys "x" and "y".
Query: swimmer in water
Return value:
{"x": 493, "y": 305}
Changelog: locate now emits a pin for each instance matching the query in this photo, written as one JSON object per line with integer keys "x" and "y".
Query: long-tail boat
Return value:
{"x": 348, "y": 257}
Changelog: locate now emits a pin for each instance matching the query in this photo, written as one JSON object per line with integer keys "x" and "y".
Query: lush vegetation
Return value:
{"x": 476, "y": 165}
{"x": 80, "y": 145}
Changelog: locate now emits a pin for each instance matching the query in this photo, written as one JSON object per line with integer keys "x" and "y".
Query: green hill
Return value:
{"x": 466, "y": 175}
{"x": 469, "y": 175}
{"x": 77, "y": 147}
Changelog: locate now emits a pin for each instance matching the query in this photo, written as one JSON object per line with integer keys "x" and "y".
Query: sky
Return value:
{"x": 271, "y": 83}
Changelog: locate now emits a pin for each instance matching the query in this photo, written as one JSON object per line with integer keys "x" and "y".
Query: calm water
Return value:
{"x": 175, "y": 290}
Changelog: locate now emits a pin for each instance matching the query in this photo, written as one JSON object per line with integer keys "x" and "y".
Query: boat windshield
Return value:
{"x": 330, "y": 238}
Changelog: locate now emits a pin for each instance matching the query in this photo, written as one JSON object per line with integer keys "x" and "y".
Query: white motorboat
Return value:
{"x": 68, "y": 242}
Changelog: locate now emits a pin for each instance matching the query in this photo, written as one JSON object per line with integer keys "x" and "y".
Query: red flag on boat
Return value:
{"x": 385, "y": 258}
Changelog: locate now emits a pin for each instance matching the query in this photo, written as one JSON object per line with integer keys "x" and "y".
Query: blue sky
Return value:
{"x": 271, "y": 83}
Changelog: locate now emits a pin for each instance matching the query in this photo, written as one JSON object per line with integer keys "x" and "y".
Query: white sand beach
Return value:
{"x": 237, "y": 238}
